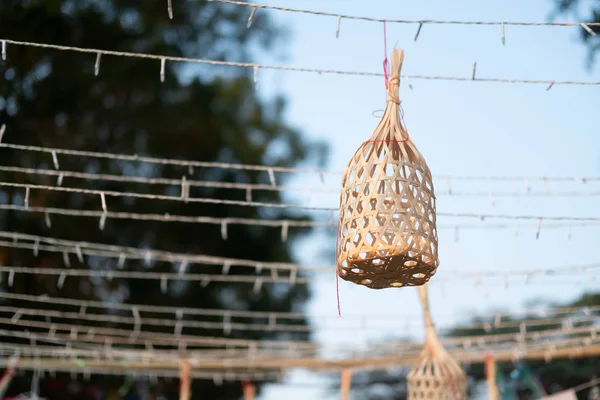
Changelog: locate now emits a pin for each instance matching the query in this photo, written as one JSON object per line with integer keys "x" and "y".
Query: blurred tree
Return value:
{"x": 588, "y": 11}
{"x": 553, "y": 376}
{"x": 52, "y": 98}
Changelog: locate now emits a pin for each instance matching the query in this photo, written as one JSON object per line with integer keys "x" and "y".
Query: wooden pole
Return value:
{"x": 185, "y": 381}
{"x": 346, "y": 383}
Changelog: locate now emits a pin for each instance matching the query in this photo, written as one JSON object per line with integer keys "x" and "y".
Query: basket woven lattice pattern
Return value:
{"x": 387, "y": 234}
{"x": 435, "y": 375}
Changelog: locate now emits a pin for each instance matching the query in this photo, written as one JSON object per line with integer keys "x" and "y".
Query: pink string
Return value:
{"x": 386, "y": 73}
{"x": 337, "y": 276}
{"x": 337, "y": 292}
{"x": 402, "y": 117}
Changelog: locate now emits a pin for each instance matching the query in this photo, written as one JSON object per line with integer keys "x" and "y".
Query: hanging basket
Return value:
{"x": 436, "y": 375}
{"x": 387, "y": 235}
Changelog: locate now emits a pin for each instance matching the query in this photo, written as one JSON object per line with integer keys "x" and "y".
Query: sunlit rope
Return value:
{"x": 164, "y": 58}
{"x": 275, "y": 223}
{"x": 107, "y": 193}
{"x": 140, "y": 333}
{"x": 227, "y": 314}
{"x": 273, "y": 324}
{"x": 402, "y": 21}
{"x": 121, "y": 252}
{"x": 251, "y": 188}
{"x": 265, "y": 168}
{"x": 560, "y": 349}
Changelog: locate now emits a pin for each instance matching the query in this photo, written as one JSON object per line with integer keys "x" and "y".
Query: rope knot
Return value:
{"x": 393, "y": 90}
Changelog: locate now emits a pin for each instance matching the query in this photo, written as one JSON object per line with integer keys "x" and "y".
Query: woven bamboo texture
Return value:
{"x": 387, "y": 235}
{"x": 435, "y": 375}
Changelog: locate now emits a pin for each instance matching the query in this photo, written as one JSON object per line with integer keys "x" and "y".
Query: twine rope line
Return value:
{"x": 279, "y": 223}
{"x": 242, "y": 203}
{"x": 91, "y": 304}
{"x": 404, "y": 21}
{"x": 201, "y": 164}
{"x": 206, "y": 278}
{"x": 170, "y": 367}
{"x": 288, "y": 68}
{"x": 87, "y": 337}
{"x": 481, "y": 216}
{"x": 569, "y": 347}
{"x": 252, "y": 187}
{"x": 97, "y": 249}
{"x": 275, "y": 325}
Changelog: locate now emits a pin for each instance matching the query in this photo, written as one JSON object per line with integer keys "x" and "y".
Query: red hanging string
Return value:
{"x": 386, "y": 73}
{"x": 337, "y": 292}
{"x": 403, "y": 122}
{"x": 337, "y": 276}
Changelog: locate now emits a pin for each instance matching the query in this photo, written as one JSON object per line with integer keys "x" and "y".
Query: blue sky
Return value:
{"x": 462, "y": 128}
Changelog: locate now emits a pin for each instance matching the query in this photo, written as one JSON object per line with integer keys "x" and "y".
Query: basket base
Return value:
{"x": 384, "y": 272}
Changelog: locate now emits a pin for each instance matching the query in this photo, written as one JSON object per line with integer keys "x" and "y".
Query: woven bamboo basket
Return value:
{"x": 436, "y": 375}
{"x": 387, "y": 234}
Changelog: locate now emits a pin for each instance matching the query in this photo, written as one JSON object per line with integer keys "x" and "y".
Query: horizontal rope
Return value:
{"x": 462, "y": 341}
{"x": 553, "y": 349}
{"x": 278, "y": 223}
{"x": 227, "y": 314}
{"x": 80, "y": 248}
{"x": 274, "y": 325}
{"x": 112, "y": 193}
{"x": 154, "y": 276}
{"x": 379, "y": 363}
{"x": 149, "y": 308}
{"x": 218, "y": 377}
{"x": 468, "y": 78}
{"x": 258, "y": 281}
{"x": 237, "y": 185}
{"x": 157, "y": 160}
{"x": 252, "y": 187}
{"x": 274, "y": 205}
{"x": 570, "y": 349}
{"x": 105, "y": 348}
{"x": 82, "y": 335}
{"x": 265, "y": 168}
{"x": 567, "y": 328}
{"x": 65, "y": 349}
{"x": 99, "y": 249}
{"x": 402, "y": 21}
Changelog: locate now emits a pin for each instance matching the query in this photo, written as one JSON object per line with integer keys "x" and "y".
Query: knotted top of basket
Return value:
{"x": 391, "y": 132}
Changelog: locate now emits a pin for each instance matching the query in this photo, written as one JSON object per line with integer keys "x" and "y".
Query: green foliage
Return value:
{"x": 588, "y": 11}
{"x": 554, "y": 375}
{"x": 51, "y": 98}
